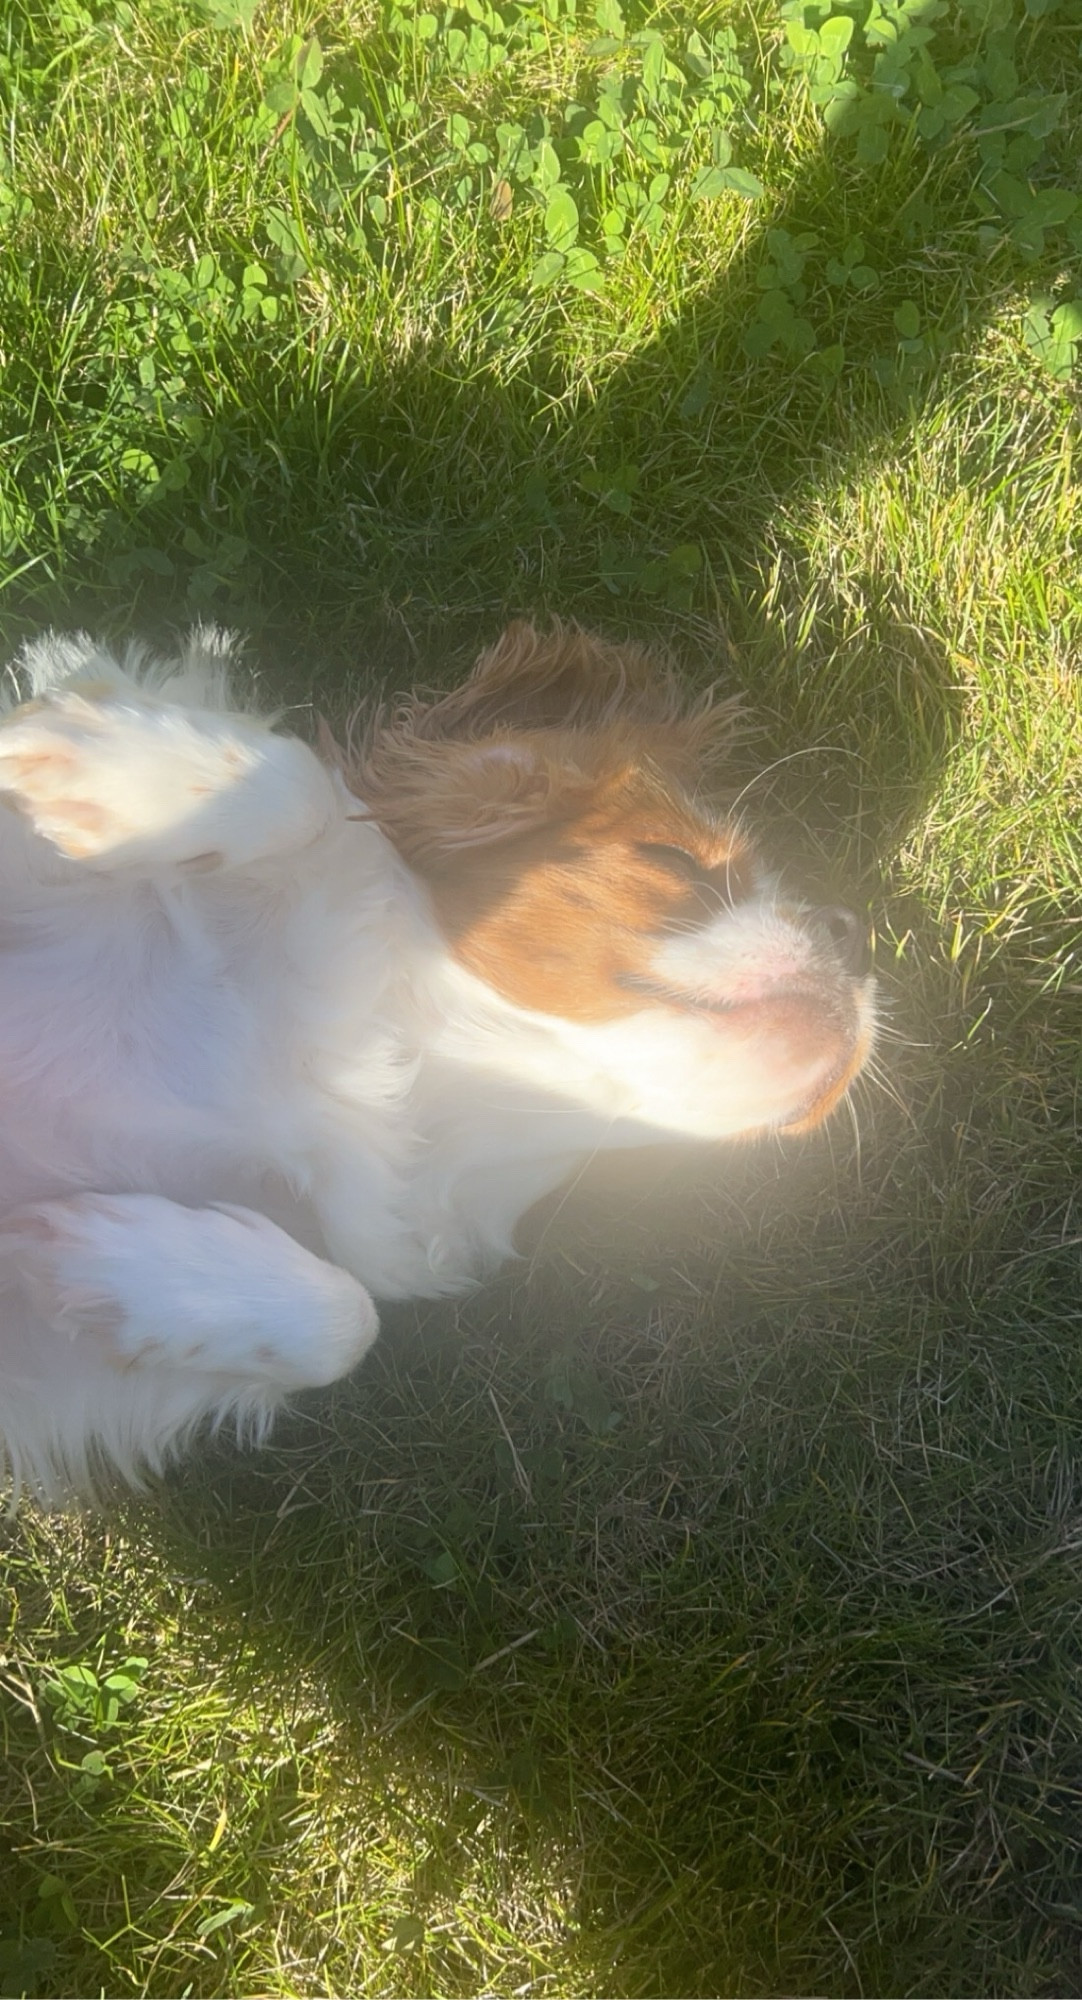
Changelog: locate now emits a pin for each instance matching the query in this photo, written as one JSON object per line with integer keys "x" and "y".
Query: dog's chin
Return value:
{"x": 786, "y": 1058}
{"x": 779, "y": 1063}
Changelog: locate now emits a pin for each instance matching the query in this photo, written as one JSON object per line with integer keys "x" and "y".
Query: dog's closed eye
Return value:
{"x": 727, "y": 880}
{"x": 676, "y": 858}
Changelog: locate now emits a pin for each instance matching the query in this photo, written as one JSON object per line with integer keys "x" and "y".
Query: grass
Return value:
{"x": 696, "y": 1610}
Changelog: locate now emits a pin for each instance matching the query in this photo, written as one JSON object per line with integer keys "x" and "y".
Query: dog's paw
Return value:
{"x": 109, "y": 779}
{"x": 157, "y": 1285}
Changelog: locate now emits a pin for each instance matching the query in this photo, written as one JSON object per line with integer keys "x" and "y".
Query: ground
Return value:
{"x": 696, "y": 1610}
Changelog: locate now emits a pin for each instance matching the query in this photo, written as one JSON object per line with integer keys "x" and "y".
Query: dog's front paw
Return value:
{"x": 46, "y": 753}
{"x": 110, "y": 780}
{"x": 157, "y": 1285}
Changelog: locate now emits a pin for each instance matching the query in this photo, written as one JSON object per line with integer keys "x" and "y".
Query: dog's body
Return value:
{"x": 272, "y": 1042}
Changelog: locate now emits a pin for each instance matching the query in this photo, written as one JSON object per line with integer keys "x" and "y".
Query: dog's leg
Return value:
{"x": 152, "y": 1285}
{"x": 114, "y": 780}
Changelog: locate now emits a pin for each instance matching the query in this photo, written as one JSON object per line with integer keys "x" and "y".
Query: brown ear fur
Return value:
{"x": 541, "y": 720}
{"x": 564, "y": 678}
{"x": 435, "y": 798}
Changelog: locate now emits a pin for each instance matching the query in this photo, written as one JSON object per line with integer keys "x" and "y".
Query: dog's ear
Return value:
{"x": 564, "y": 678}
{"x": 544, "y": 721}
{"x": 434, "y": 799}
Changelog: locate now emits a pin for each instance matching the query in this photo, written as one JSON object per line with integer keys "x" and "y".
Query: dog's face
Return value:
{"x": 549, "y": 805}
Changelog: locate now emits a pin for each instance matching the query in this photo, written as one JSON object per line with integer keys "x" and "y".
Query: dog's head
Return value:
{"x": 551, "y": 804}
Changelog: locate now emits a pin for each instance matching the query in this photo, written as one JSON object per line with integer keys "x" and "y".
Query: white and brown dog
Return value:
{"x": 280, "y": 1033}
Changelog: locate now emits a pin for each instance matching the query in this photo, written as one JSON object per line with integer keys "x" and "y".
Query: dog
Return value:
{"x": 284, "y": 1031}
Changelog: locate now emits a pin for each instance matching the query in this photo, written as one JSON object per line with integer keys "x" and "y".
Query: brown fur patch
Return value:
{"x": 566, "y": 678}
{"x": 529, "y": 799}
{"x": 561, "y": 918}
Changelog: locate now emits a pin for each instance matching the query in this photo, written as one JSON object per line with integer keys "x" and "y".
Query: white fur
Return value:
{"x": 244, "y": 1085}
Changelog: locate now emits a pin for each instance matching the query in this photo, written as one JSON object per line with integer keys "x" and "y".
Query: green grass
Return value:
{"x": 696, "y": 1610}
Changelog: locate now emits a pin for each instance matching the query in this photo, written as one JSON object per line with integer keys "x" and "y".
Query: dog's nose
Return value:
{"x": 846, "y": 934}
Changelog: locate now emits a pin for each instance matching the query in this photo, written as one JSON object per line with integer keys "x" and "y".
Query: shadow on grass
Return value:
{"x": 706, "y": 1591}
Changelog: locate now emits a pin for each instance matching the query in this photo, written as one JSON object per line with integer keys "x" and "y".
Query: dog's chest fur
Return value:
{"x": 285, "y": 1037}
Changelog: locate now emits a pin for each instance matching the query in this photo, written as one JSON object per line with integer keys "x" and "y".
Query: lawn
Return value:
{"x": 697, "y": 1610}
